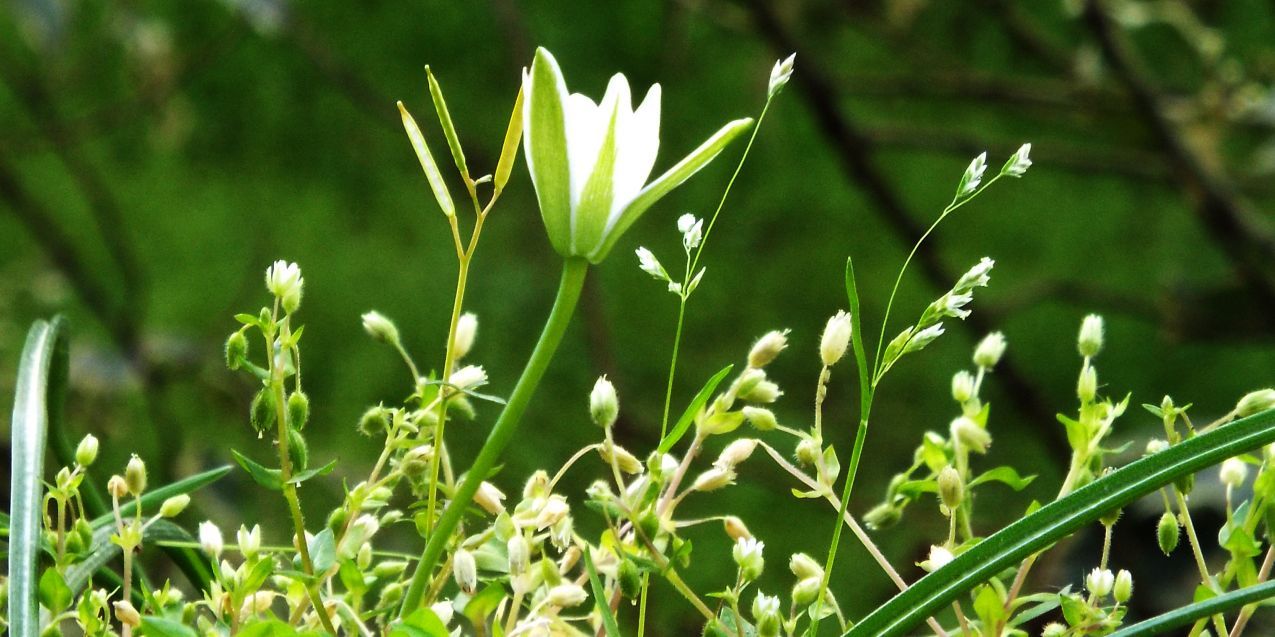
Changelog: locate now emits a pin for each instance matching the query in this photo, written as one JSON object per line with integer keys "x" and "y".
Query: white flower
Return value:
{"x": 466, "y": 332}
{"x": 990, "y": 350}
{"x": 767, "y": 348}
{"x": 604, "y": 405}
{"x": 284, "y": 280}
{"x": 1100, "y": 581}
{"x": 651, "y": 265}
{"x": 836, "y": 338}
{"x": 566, "y": 596}
{"x": 923, "y": 338}
{"x": 748, "y": 556}
{"x": 692, "y": 230}
{"x": 973, "y": 175}
{"x": 1019, "y": 162}
{"x": 465, "y": 570}
{"x": 1090, "y": 340}
{"x": 779, "y": 76}
{"x": 249, "y": 541}
{"x": 1233, "y": 472}
{"x": 954, "y": 304}
{"x": 590, "y": 161}
{"x": 468, "y": 377}
{"x": 975, "y": 277}
{"x": 210, "y": 539}
{"x": 939, "y": 557}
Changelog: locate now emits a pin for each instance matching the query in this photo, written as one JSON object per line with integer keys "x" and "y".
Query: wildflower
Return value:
{"x": 651, "y": 265}
{"x": 748, "y": 556}
{"x": 1233, "y": 472}
{"x": 284, "y": 281}
{"x": 86, "y": 452}
{"x": 1019, "y": 162}
{"x": 973, "y": 176}
{"x": 1090, "y": 340}
{"x": 766, "y": 614}
{"x": 465, "y": 571}
{"x": 466, "y": 331}
{"x": 604, "y": 405}
{"x": 1100, "y": 581}
{"x": 779, "y": 76}
{"x": 962, "y": 386}
{"x": 922, "y": 338}
{"x": 249, "y": 541}
{"x": 976, "y": 277}
{"x": 692, "y": 230}
{"x": 767, "y": 348}
{"x": 989, "y": 350}
{"x": 836, "y": 338}
{"x": 210, "y": 539}
{"x": 590, "y": 162}
{"x": 938, "y": 558}
{"x": 380, "y": 328}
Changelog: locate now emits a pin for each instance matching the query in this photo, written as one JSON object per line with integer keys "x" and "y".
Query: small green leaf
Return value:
{"x": 421, "y": 623}
{"x": 1004, "y": 474}
{"x": 509, "y": 150}
{"x": 161, "y": 627}
{"x": 55, "y": 595}
{"x": 269, "y": 478}
{"x": 432, "y": 175}
{"x": 600, "y": 597}
{"x": 323, "y": 551}
{"x": 312, "y": 473}
{"x": 697, "y": 403}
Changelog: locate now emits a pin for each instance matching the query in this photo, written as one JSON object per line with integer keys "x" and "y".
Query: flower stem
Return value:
{"x": 573, "y": 275}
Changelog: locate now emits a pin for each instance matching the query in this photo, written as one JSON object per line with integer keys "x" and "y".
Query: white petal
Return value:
{"x": 639, "y": 144}
{"x": 585, "y": 128}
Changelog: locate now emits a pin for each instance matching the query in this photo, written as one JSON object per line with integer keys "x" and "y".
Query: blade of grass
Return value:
{"x": 599, "y": 597}
{"x": 152, "y": 499}
{"x": 688, "y": 416}
{"x": 29, "y": 434}
{"x": 1192, "y": 612}
{"x": 1059, "y": 519}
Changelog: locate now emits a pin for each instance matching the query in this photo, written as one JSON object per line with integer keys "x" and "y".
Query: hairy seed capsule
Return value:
{"x": 951, "y": 488}
{"x": 86, "y": 452}
{"x": 1167, "y": 533}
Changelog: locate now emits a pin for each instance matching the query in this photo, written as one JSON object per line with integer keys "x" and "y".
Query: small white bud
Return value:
{"x": 1123, "y": 589}
{"x": 1100, "y": 581}
{"x": 469, "y": 377}
{"x": 779, "y": 76}
{"x": 1255, "y": 402}
{"x": 692, "y": 230}
{"x": 1087, "y": 384}
{"x": 444, "y": 610}
{"x": 767, "y": 348}
{"x": 554, "y": 509}
{"x": 625, "y": 461}
{"x": 651, "y": 265}
{"x": 519, "y": 555}
{"x": 566, "y": 596}
{"x": 976, "y": 277}
{"x": 735, "y": 528}
{"x": 836, "y": 338}
{"x": 939, "y": 557}
{"x": 127, "y": 614}
{"x": 466, "y": 332}
{"x": 1019, "y": 162}
{"x": 736, "y": 452}
{"x": 284, "y": 281}
{"x": 805, "y": 567}
{"x": 923, "y": 338}
{"x": 962, "y": 386}
{"x": 714, "y": 479}
{"x": 249, "y": 541}
{"x": 760, "y": 418}
{"x": 490, "y": 498}
{"x": 951, "y": 488}
{"x": 973, "y": 176}
{"x": 604, "y": 405}
{"x": 1156, "y": 445}
{"x": 465, "y": 571}
{"x": 210, "y": 539}
{"x": 1090, "y": 340}
{"x": 989, "y": 350}
{"x": 1233, "y": 472}
{"x": 380, "y": 328}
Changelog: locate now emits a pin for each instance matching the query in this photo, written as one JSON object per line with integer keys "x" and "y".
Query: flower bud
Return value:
{"x": 172, "y": 507}
{"x": 989, "y": 350}
{"x": 1156, "y": 445}
{"x": 735, "y": 528}
{"x": 249, "y": 541}
{"x": 1123, "y": 589}
{"x": 767, "y": 348}
{"x": 736, "y": 452}
{"x": 805, "y": 567}
{"x": 1167, "y": 533}
{"x": 374, "y": 421}
{"x": 765, "y": 392}
{"x": 468, "y": 377}
{"x": 258, "y": 602}
{"x": 117, "y": 487}
{"x": 692, "y": 230}
{"x": 1233, "y": 472}
{"x": 1019, "y": 162}
{"x": 364, "y": 559}
{"x": 465, "y": 571}
{"x": 210, "y": 539}
{"x": 389, "y": 569}
{"x": 962, "y": 386}
{"x": 973, "y": 176}
{"x": 126, "y": 614}
{"x": 489, "y": 498}
{"x": 1099, "y": 582}
{"x": 808, "y": 452}
{"x": 806, "y": 591}
{"x": 135, "y": 476}
{"x": 766, "y": 615}
{"x": 466, "y": 332}
{"x": 604, "y": 405}
{"x": 519, "y": 555}
{"x": 380, "y": 328}
{"x": 1087, "y": 385}
{"x": 625, "y": 461}
{"x": 298, "y": 409}
{"x": 86, "y": 452}
{"x": 836, "y": 338}
{"x": 714, "y": 479}
{"x": 922, "y": 338}
{"x": 882, "y": 516}
{"x": 760, "y": 418}
{"x": 951, "y": 488}
{"x": 1053, "y": 629}
{"x": 748, "y": 556}
{"x": 566, "y": 596}
{"x": 1090, "y": 340}
{"x": 779, "y": 76}
{"x": 554, "y": 509}
{"x": 1255, "y": 402}
{"x": 970, "y": 434}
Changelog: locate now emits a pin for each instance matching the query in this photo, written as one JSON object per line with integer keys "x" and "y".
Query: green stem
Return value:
{"x": 573, "y": 275}
{"x": 672, "y": 366}
{"x": 449, "y": 361}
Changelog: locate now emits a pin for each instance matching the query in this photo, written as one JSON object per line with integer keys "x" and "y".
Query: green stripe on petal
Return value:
{"x": 674, "y": 177}
{"x": 545, "y": 143}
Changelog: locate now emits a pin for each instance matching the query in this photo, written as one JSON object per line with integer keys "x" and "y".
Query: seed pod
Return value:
{"x": 298, "y": 410}
{"x": 951, "y": 488}
{"x": 1167, "y": 533}
{"x": 236, "y": 350}
{"x": 298, "y": 450}
{"x": 135, "y": 476}
{"x": 262, "y": 414}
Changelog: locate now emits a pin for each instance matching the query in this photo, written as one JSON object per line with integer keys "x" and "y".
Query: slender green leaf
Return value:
{"x": 697, "y": 403}
{"x": 1193, "y": 612}
{"x": 856, "y": 340}
{"x": 269, "y": 478}
{"x": 1004, "y": 474}
{"x": 449, "y": 129}
{"x": 29, "y": 433}
{"x": 600, "y": 596}
{"x": 1061, "y": 518}
{"x": 509, "y": 150}
{"x": 432, "y": 175}
{"x": 423, "y": 622}
{"x": 155, "y": 497}
{"x": 161, "y": 627}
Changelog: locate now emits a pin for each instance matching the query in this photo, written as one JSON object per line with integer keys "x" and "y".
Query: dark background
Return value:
{"x": 156, "y": 156}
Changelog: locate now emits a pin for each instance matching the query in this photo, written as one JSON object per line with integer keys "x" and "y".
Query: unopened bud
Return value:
{"x": 298, "y": 409}
{"x": 1099, "y": 582}
{"x": 466, "y": 331}
{"x": 806, "y": 591}
{"x": 86, "y": 452}
{"x": 962, "y": 386}
{"x": 625, "y": 461}
{"x": 566, "y": 596}
{"x": 236, "y": 350}
{"x": 836, "y": 338}
{"x": 468, "y": 377}
{"x": 970, "y": 434}
{"x": 990, "y": 350}
{"x": 126, "y": 614}
{"x": 135, "y": 476}
{"x": 766, "y": 615}
{"x": 1233, "y": 472}
{"x": 374, "y": 421}
{"x": 1123, "y": 589}
{"x": 713, "y": 479}
{"x": 735, "y": 528}
{"x": 938, "y": 558}
{"x": 604, "y": 405}
{"x": 1167, "y": 533}
{"x": 805, "y": 567}
{"x": 489, "y": 498}
{"x": 1087, "y": 385}
{"x": 117, "y": 487}
{"x": 465, "y": 571}
{"x": 1054, "y": 629}
{"x": 210, "y": 539}
{"x": 1156, "y": 445}
{"x": 760, "y": 418}
{"x": 951, "y": 488}
{"x": 882, "y": 516}
{"x": 1255, "y": 402}
{"x": 767, "y": 348}
{"x": 519, "y": 555}
{"x": 172, "y": 507}
{"x": 249, "y": 541}
{"x": 736, "y": 452}
{"x": 1090, "y": 340}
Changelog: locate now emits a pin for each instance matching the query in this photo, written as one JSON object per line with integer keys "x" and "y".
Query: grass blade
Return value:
{"x": 1059, "y": 519}
{"x": 29, "y": 434}
{"x": 1193, "y": 612}
{"x": 600, "y": 597}
{"x": 152, "y": 499}
{"x": 688, "y": 416}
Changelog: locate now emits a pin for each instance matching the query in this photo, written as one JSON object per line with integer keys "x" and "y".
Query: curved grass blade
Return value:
{"x": 600, "y": 597}
{"x": 1060, "y": 518}
{"x": 29, "y": 434}
{"x": 154, "y": 498}
{"x": 1192, "y": 612}
{"x": 688, "y": 416}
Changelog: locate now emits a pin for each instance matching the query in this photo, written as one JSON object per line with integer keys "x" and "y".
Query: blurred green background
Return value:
{"x": 156, "y": 156}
